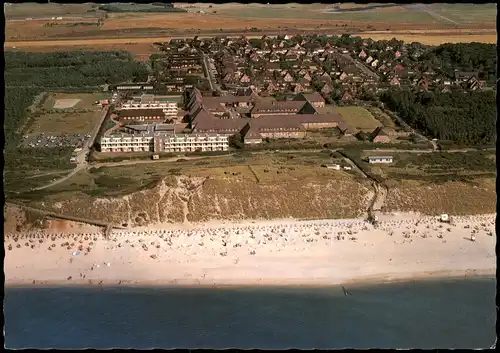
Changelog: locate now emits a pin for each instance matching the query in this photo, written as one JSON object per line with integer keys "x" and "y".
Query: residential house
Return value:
{"x": 394, "y": 81}
{"x": 363, "y": 54}
{"x": 326, "y": 89}
{"x": 288, "y": 77}
{"x": 380, "y": 136}
{"x": 314, "y": 98}
{"x": 245, "y": 79}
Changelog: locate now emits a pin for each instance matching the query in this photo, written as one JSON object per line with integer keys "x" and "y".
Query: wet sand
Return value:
{"x": 279, "y": 252}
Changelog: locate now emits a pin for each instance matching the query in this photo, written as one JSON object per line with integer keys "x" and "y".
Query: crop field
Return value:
{"x": 238, "y": 18}
{"x": 358, "y": 118}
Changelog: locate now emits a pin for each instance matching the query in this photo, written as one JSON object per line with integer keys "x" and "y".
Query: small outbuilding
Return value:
{"x": 380, "y": 159}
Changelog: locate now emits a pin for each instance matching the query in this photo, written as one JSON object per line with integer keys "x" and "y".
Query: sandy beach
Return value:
{"x": 279, "y": 252}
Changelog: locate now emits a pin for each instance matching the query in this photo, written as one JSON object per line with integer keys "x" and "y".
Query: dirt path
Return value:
{"x": 434, "y": 14}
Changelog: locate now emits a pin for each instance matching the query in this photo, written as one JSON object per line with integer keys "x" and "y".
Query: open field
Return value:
{"x": 65, "y": 113}
{"x": 466, "y": 13}
{"x": 62, "y": 123}
{"x": 238, "y": 18}
{"x": 358, "y": 118}
{"x": 35, "y": 10}
{"x": 434, "y": 39}
{"x": 82, "y": 100}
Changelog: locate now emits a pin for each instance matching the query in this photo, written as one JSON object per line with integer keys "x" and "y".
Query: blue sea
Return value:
{"x": 425, "y": 314}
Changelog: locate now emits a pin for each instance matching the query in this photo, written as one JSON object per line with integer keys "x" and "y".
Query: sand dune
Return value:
{"x": 280, "y": 252}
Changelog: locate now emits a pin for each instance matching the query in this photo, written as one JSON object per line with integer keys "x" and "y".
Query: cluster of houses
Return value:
{"x": 179, "y": 68}
{"x": 295, "y": 64}
{"x": 389, "y": 64}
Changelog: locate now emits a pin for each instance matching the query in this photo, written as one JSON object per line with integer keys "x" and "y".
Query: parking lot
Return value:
{"x": 76, "y": 140}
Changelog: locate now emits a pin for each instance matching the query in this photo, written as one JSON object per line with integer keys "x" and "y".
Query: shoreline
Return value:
{"x": 276, "y": 253}
{"x": 375, "y": 280}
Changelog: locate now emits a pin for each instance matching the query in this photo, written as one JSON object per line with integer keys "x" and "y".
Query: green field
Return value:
{"x": 86, "y": 100}
{"x": 467, "y": 13}
{"x": 358, "y": 118}
{"x": 62, "y": 123}
{"x": 23, "y": 10}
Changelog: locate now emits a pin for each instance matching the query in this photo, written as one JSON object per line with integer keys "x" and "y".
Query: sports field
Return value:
{"x": 79, "y": 100}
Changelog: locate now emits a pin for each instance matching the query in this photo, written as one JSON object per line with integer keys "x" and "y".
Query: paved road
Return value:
{"x": 211, "y": 79}
{"x": 361, "y": 66}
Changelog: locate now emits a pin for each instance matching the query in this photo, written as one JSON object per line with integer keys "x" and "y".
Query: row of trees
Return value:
{"x": 465, "y": 118}
{"x": 25, "y": 60}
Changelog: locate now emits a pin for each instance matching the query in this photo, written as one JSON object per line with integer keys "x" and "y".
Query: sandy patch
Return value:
{"x": 280, "y": 252}
{"x": 66, "y": 103}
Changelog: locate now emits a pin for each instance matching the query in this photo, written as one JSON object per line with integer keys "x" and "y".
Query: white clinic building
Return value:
{"x": 162, "y": 142}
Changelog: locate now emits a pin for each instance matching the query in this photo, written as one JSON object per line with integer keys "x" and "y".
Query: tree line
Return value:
{"x": 464, "y": 118}
{"x": 52, "y": 70}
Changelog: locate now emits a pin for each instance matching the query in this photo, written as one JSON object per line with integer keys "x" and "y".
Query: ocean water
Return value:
{"x": 425, "y": 314}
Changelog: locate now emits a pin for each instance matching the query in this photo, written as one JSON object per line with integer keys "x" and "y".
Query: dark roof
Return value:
{"x": 378, "y": 132}
{"x": 221, "y": 125}
{"x": 311, "y": 97}
{"x": 141, "y": 112}
{"x": 277, "y": 106}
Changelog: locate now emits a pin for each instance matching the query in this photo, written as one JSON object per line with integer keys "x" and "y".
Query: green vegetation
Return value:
{"x": 29, "y": 74}
{"x": 71, "y": 69}
{"x": 469, "y": 57}
{"x": 464, "y": 118}
{"x": 432, "y": 163}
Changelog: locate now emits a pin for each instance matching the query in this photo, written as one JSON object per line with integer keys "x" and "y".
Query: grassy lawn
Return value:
{"x": 358, "y": 118}
{"x": 63, "y": 123}
{"x": 86, "y": 100}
